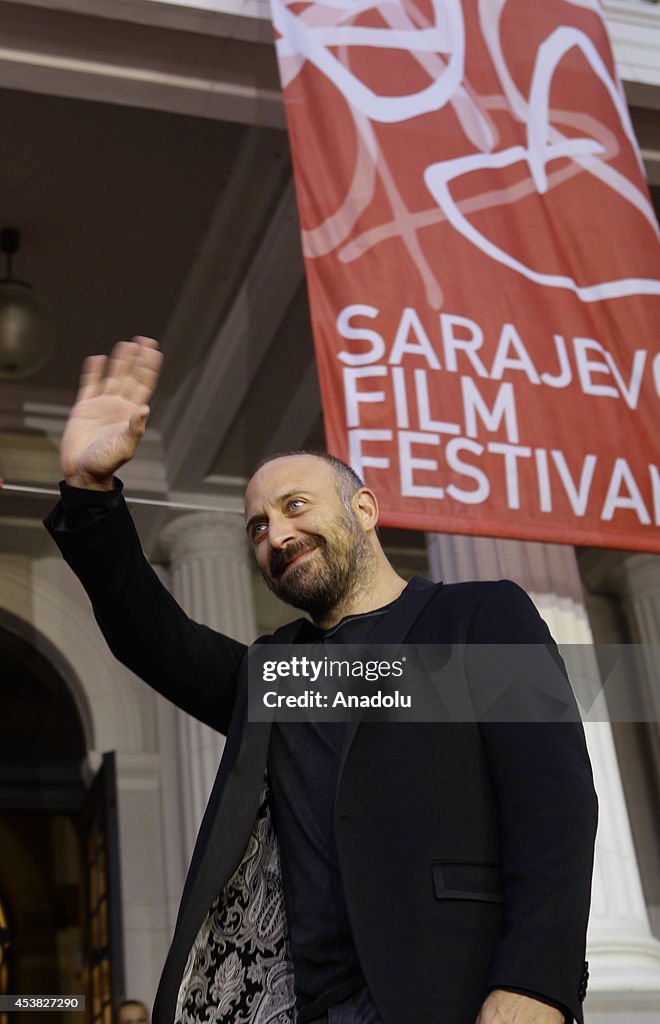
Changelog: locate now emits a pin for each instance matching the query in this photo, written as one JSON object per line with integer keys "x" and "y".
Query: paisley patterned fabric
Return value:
{"x": 239, "y": 970}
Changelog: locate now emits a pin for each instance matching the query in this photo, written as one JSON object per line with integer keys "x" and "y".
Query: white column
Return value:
{"x": 639, "y": 589}
{"x": 175, "y": 843}
{"x": 634, "y": 581}
{"x": 624, "y": 957}
{"x": 145, "y": 929}
{"x": 210, "y": 578}
{"x": 548, "y": 572}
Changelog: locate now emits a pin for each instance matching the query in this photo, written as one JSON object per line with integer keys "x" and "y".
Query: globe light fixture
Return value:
{"x": 27, "y": 336}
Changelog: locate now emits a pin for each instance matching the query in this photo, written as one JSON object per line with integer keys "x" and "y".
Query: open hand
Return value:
{"x": 110, "y": 413}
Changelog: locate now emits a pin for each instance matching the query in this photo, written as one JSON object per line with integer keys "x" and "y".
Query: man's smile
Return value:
{"x": 281, "y": 561}
{"x": 297, "y": 559}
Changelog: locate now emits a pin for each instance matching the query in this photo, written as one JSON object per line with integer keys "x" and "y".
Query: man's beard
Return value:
{"x": 325, "y": 580}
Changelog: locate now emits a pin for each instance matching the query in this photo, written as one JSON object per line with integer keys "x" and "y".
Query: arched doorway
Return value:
{"x": 53, "y": 834}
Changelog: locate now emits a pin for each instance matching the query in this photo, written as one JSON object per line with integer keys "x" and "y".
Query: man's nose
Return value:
{"x": 280, "y": 532}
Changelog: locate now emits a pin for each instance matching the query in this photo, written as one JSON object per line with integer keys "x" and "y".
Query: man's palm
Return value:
{"x": 109, "y": 417}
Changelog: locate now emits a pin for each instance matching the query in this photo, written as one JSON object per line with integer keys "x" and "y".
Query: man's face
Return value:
{"x": 132, "y": 1013}
{"x": 310, "y": 548}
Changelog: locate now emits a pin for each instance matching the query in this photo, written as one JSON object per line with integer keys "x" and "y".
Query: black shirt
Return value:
{"x": 303, "y": 765}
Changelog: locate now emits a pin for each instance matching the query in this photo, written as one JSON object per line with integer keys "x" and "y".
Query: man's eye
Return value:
{"x": 258, "y": 530}
{"x": 296, "y": 503}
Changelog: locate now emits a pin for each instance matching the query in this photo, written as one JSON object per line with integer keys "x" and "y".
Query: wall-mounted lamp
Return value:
{"x": 27, "y": 335}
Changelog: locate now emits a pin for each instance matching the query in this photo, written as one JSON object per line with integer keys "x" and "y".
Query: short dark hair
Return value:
{"x": 133, "y": 1002}
{"x": 348, "y": 481}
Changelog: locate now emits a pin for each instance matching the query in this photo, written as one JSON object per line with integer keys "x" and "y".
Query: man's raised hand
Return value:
{"x": 110, "y": 413}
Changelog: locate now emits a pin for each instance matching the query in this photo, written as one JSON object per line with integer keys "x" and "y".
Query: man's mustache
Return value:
{"x": 279, "y": 560}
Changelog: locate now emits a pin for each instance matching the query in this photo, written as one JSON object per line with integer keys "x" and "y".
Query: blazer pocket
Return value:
{"x": 454, "y": 880}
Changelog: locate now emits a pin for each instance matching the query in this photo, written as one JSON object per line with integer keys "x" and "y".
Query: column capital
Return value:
{"x": 539, "y": 568}
{"x": 601, "y": 570}
{"x": 209, "y": 570}
{"x": 622, "y": 573}
{"x": 205, "y": 534}
{"x": 641, "y": 575}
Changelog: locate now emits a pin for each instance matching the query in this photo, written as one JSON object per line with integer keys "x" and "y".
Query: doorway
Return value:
{"x": 57, "y": 896}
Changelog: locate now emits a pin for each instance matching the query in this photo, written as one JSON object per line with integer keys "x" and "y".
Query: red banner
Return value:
{"x": 483, "y": 263}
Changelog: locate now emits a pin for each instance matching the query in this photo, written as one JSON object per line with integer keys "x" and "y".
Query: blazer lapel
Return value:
{"x": 232, "y": 805}
{"x": 287, "y": 634}
{"x": 393, "y": 628}
{"x": 398, "y": 621}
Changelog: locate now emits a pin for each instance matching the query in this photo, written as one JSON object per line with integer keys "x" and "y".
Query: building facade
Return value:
{"x": 146, "y": 165}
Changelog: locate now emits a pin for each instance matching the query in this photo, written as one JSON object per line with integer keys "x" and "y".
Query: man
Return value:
{"x": 430, "y": 872}
{"x": 132, "y": 1011}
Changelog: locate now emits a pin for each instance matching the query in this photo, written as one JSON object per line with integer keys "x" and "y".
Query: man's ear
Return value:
{"x": 365, "y": 505}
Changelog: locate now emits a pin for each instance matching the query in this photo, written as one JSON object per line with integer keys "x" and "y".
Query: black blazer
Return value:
{"x": 466, "y": 849}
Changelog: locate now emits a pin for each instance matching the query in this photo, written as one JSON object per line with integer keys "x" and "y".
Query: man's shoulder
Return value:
{"x": 475, "y": 590}
{"x": 498, "y": 609}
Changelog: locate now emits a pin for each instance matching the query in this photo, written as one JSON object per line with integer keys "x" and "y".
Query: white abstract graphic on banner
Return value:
{"x": 325, "y": 34}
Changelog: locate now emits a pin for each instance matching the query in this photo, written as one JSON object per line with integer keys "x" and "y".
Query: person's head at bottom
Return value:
{"x": 132, "y": 1011}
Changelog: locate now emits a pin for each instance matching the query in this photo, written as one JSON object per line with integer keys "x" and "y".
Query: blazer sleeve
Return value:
{"x": 192, "y": 665}
{"x": 546, "y": 800}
